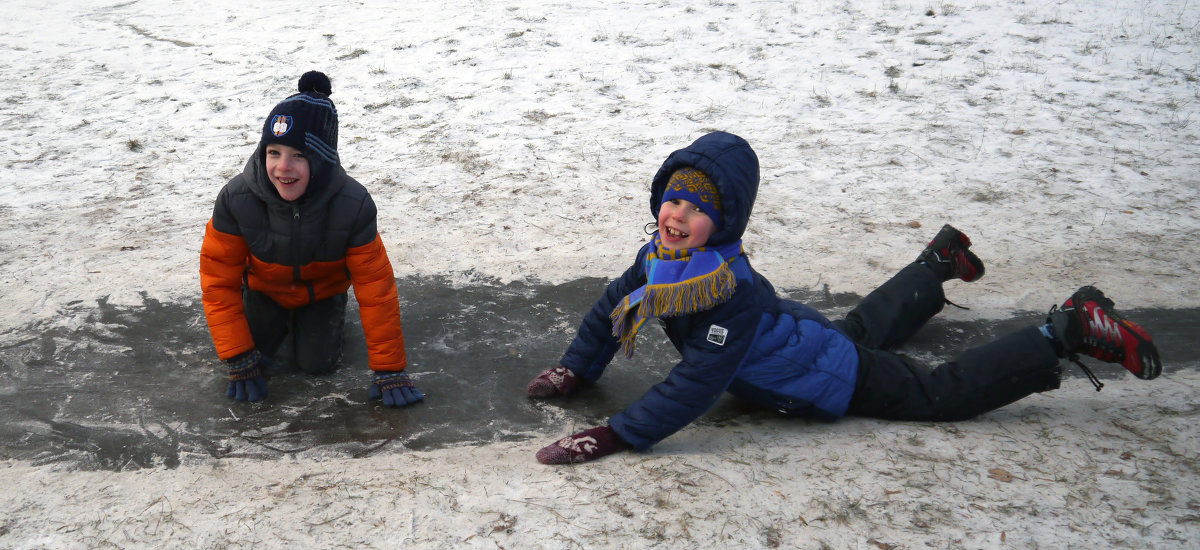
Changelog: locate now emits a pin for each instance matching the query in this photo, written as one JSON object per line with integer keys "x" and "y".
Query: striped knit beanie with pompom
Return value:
{"x": 307, "y": 120}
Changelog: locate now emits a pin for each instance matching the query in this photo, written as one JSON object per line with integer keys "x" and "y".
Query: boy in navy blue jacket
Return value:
{"x": 735, "y": 335}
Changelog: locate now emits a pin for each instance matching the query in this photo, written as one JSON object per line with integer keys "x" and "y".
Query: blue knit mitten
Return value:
{"x": 246, "y": 380}
{"x": 395, "y": 388}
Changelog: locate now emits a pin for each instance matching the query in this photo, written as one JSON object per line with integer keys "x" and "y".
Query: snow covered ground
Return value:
{"x": 516, "y": 140}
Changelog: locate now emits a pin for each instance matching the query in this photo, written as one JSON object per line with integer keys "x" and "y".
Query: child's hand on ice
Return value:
{"x": 395, "y": 388}
{"x": 246, "y": 380}
{"x": 558, "y": 380}
{"x": 582, "y": 447}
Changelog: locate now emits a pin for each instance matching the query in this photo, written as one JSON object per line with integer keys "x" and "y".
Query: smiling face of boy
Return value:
{"x": 288, "y": 170}
{"x": 683, "y": 225}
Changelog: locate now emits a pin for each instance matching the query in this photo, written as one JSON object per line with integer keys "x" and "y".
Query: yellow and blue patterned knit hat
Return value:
{"x": 694, "y": 186}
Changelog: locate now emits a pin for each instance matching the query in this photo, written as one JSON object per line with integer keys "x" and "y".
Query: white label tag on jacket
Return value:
{"x": 717, "y": 335}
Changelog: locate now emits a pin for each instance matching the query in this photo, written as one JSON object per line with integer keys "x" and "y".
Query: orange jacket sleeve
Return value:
{"x": 223, "y": 259}
{"x": 378, "y": 304}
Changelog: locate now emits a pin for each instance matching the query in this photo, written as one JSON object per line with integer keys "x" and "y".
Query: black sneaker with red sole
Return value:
{"x": 1088, "y": 324}
{"x": 949, "y": 254}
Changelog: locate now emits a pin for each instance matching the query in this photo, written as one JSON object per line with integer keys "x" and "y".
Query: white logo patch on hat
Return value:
{"x": 717, "y": 334}
{"x": 280, "y": 125}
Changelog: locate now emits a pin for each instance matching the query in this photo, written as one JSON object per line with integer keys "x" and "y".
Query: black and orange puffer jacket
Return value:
{"x": 298, "y": 253}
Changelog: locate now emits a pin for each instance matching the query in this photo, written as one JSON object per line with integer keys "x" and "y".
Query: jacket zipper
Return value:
{"x": 296, "y": 247}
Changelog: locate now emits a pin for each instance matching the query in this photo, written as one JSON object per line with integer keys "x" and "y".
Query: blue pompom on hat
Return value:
{"x": 694, "y": 186}
{"x": 307, "y": 120}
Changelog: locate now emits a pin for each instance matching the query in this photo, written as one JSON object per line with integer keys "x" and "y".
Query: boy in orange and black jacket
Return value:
{"x": 287, "y": 239}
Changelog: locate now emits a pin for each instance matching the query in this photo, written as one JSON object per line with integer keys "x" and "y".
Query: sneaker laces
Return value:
{"x": 1074, "y": 358}
{"x": 956, "y": 305}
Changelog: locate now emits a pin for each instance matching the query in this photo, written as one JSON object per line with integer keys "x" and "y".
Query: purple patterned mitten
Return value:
{"x": 582, "y": 447}
{"x": 558, "y": 380}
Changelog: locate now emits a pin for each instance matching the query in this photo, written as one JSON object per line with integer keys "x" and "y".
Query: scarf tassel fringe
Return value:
{"x": 669, "y": 300}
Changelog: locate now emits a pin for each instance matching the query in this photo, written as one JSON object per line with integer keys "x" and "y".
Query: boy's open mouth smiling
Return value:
{"x": 676, "y": 233}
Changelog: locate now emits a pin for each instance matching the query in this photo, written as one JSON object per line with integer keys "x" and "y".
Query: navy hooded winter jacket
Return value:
{"x": 776, "y": 353}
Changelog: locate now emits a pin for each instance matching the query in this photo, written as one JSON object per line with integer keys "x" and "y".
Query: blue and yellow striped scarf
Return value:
{"x": 678, "y": 282}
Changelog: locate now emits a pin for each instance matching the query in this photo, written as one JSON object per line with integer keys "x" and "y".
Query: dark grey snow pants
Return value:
{"x": 314, "y": 332}
{"x": 981, "y": 379}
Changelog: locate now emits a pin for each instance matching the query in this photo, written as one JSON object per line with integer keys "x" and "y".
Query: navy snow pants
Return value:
{"x": 314, "y": 331}
{"x": 981, "y": 379}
